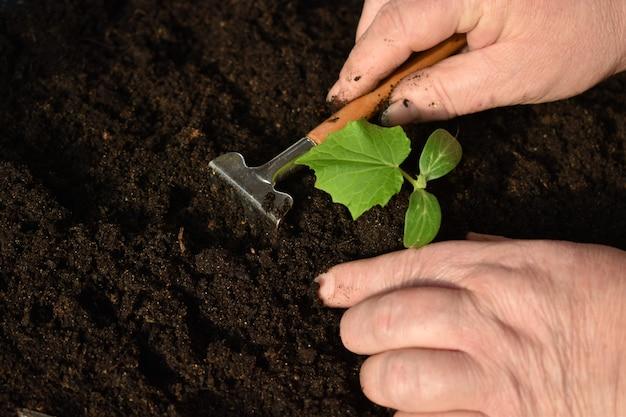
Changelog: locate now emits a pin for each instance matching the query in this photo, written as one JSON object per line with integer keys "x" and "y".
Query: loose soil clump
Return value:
{"x": 125, "y": 287}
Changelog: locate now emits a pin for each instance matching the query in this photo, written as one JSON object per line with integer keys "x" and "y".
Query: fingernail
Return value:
{"x": 482, "y": 237}
{"x": 400, "y": 112}
{"x": 333, "y": 93}
{"x": 335, "y": 104}
{"x": 326, "y": 282}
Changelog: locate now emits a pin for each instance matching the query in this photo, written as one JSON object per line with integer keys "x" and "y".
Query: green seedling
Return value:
{"x": 359, "y": 166}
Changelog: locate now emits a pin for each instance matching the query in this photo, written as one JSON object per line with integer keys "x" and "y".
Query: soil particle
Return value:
{"x": 109, "y": 114}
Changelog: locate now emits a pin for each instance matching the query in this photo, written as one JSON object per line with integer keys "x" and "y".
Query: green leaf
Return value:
{"x": 441, "y": 154}
{"x": 359, "y": 165}
{"x": 422, "y": 219}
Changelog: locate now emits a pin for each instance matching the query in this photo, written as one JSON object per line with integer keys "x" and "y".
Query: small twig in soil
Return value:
{"x": 23, "y": 412}
{"x": 181, "y": 240}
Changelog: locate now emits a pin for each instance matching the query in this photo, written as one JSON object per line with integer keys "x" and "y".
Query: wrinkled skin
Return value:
{"x": 519, "y": 51}
{"x": 488, "y": 327}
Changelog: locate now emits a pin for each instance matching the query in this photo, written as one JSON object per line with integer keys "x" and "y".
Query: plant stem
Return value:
{"x": 421, "y": 182}
{"x": 409, "y": 178}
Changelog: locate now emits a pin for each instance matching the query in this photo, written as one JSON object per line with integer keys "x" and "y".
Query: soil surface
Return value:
{"x": 125, "y": 288}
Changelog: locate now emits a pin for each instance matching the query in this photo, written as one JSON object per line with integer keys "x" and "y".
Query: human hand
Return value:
{"x": 519, "y": 51}
{"x": 494, "y": 328}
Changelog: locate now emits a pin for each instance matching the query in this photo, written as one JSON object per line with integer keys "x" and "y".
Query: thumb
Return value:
{"x": 467, "y": 83}
{"x": 442, "y": 264}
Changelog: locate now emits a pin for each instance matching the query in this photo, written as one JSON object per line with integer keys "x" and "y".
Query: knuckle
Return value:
{"x": 476, "y": 316}
{"x": 391, "y": 18}
{"x": 385, "y": 317}
{"x": 397, "y": 382}
{"x": 483, "y": 279}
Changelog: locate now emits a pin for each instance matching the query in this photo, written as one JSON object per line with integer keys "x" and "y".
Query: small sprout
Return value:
{"x": 359, "y": 166}
{"x": 422, "y": 219}
{"x": 441, "y": 155}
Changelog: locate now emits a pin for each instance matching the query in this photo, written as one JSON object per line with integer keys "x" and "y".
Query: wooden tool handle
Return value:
{"x": 365, "y": 106}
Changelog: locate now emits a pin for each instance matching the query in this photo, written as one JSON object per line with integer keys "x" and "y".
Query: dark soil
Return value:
{"x": 123, "y": 289}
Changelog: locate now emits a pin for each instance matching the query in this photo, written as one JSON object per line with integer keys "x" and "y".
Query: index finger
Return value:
{"x": 444, "y": 264}
{"x": 400, "y": 28}
{"x": 370, "y": 10}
